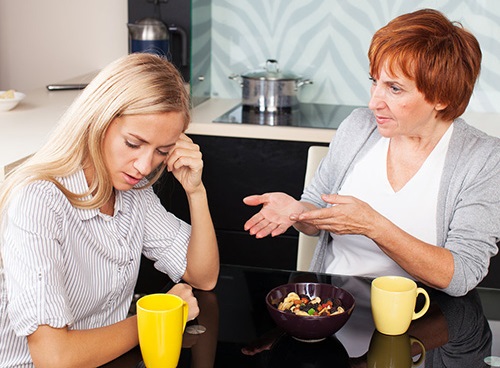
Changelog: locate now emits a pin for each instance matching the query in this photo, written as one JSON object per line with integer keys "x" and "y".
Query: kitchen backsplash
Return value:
{"x": 327, "y": 41}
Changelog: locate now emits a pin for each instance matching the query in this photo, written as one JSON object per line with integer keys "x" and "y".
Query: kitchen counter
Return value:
{"x": 25, "y": 128}
{"x": 206, "y": 112}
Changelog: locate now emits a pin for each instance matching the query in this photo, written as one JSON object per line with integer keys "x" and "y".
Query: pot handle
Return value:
{"x": 272, "y": 66}
{"x": 237, "y": 78}
{"x": 302, "y": 82}
{"x": 176, "y": 29}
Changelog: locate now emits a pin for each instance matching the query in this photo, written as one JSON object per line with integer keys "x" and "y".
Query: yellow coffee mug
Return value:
{"x": 394, "y": 351}
{"x": 393, "y": 300}
{"x": 161, "y": 319}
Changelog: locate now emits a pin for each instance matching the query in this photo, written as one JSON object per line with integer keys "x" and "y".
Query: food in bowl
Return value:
{"x": 304, "y": 306}
{"x": 9, "y": 99}
{"x": 314, "y": 327}
{"x": 8, "y": 94}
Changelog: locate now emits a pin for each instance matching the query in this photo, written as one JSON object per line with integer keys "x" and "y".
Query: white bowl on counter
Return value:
{"x": 7, "y": 104}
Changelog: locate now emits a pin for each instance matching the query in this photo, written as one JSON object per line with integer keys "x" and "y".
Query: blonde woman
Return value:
{"x": 77, "y": 216}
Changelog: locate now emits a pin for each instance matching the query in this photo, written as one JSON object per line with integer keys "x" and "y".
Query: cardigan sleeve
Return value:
{"x": 470, "y": 206}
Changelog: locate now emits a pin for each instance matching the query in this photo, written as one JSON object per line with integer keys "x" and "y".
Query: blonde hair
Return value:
{"x": 132, "y": 85}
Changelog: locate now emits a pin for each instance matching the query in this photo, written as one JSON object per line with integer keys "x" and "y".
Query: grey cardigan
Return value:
{"x": 468, "y": 217}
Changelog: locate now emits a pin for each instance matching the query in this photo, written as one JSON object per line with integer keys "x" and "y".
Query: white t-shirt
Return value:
{"x": 413, "y": 209}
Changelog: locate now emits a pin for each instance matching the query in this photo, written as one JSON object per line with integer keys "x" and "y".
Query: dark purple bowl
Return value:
{"x": 309, "y": 328}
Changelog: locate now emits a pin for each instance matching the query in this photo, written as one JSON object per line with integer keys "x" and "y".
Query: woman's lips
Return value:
{"x": 131, "y": 180}
{"x": 381, "y": 119}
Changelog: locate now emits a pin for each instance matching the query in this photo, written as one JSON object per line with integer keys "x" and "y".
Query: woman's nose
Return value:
{"x": 376, "y": 98}
{"x": 144, "y": 164}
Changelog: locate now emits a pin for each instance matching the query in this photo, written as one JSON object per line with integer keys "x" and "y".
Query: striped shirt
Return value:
{"x": 64, "y": 266}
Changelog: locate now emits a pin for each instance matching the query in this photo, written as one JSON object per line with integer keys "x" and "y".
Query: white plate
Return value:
{"x": 7, "y": 104}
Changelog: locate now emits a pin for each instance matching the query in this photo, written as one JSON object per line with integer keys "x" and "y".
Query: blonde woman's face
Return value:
{"x": 134, "y": 145}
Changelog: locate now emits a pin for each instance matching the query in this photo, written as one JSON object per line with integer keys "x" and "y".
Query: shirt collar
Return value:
{"x": 77, "y": 183}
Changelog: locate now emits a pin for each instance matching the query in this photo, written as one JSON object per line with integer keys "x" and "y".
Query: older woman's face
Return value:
{"x": 134, "y": 145}
{"x": 400, "y": 108}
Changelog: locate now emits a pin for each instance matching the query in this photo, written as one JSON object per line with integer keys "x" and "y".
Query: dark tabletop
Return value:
{"x": 456, "y": 332}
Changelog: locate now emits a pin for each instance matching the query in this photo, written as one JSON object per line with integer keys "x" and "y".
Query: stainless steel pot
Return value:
{"x": 269, "y": 89}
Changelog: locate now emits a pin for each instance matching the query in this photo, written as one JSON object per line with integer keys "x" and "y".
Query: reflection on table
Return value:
{"x": 240, "y": 333}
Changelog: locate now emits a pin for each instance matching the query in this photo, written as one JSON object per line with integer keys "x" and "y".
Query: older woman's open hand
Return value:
{"x": 274, "y": 217}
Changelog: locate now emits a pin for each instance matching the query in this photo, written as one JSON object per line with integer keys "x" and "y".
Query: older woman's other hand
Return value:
{"x": 185, "y": 292}
{"x": 346, "y": 215}
{"x": 274, "y": 217}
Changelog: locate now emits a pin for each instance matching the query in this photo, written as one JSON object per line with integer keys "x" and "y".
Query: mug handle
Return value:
{"x": 424, "y": 309}
{"x": 414, "y": 340}
{"x": 185, "y": 310}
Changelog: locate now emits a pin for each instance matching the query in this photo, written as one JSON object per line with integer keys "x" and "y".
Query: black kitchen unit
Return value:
{"x": 233, "y": 169}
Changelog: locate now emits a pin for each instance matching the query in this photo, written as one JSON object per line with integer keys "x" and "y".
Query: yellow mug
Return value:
{"x": 161, "y": 319}
{"x": 393, "y": 300}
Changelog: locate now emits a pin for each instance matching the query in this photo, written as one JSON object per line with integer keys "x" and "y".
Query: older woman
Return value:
{"x": 407, "y": 188}
{"x": 78, "y": 215}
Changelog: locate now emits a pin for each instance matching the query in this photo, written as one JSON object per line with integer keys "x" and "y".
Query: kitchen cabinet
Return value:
{"x": 235, "y": 168}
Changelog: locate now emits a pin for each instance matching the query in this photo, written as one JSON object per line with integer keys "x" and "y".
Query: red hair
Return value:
{"x": 441, "y": 57}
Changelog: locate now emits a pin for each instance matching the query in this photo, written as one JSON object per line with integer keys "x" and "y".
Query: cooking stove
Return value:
{"x": 306, "y": 115}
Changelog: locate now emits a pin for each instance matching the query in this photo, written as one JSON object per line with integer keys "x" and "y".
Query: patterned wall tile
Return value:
{"x": 327, "y": 40}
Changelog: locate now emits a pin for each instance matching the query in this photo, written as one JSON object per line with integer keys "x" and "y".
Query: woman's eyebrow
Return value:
{"x": 167, "y": 146}
{"x": 390, "y": 82}
{"x": 142, "y": 140}
{"x": 139, "y": 138}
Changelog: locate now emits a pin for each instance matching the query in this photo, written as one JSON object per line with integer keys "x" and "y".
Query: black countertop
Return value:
{"x": 456, "y": 332}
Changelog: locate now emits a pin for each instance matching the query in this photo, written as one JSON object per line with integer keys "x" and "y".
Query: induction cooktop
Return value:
{"x": 307, "y": 115}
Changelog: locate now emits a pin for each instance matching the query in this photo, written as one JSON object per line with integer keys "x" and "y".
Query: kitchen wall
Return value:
{"x": 49, "y": 41}
{"x": 327, "y": 41}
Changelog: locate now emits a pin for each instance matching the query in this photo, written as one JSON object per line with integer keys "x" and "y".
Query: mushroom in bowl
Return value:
{"x": 304, "y": 319}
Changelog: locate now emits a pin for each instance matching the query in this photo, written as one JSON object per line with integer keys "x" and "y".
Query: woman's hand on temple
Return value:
{"x": 274, "y": 217}
{"x": 184, "y": 160}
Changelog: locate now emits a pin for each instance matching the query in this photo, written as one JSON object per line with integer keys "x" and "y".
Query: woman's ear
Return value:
{"x": 440, "y": 106}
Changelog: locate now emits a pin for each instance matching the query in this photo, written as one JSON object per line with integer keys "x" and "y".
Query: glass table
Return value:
{"x": 237, "y": 331}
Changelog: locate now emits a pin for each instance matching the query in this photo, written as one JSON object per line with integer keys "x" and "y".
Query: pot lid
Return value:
{"x": 270, "y": 72}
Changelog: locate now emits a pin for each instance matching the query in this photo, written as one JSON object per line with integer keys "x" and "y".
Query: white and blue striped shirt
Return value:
{"x": 64, "y": 266}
